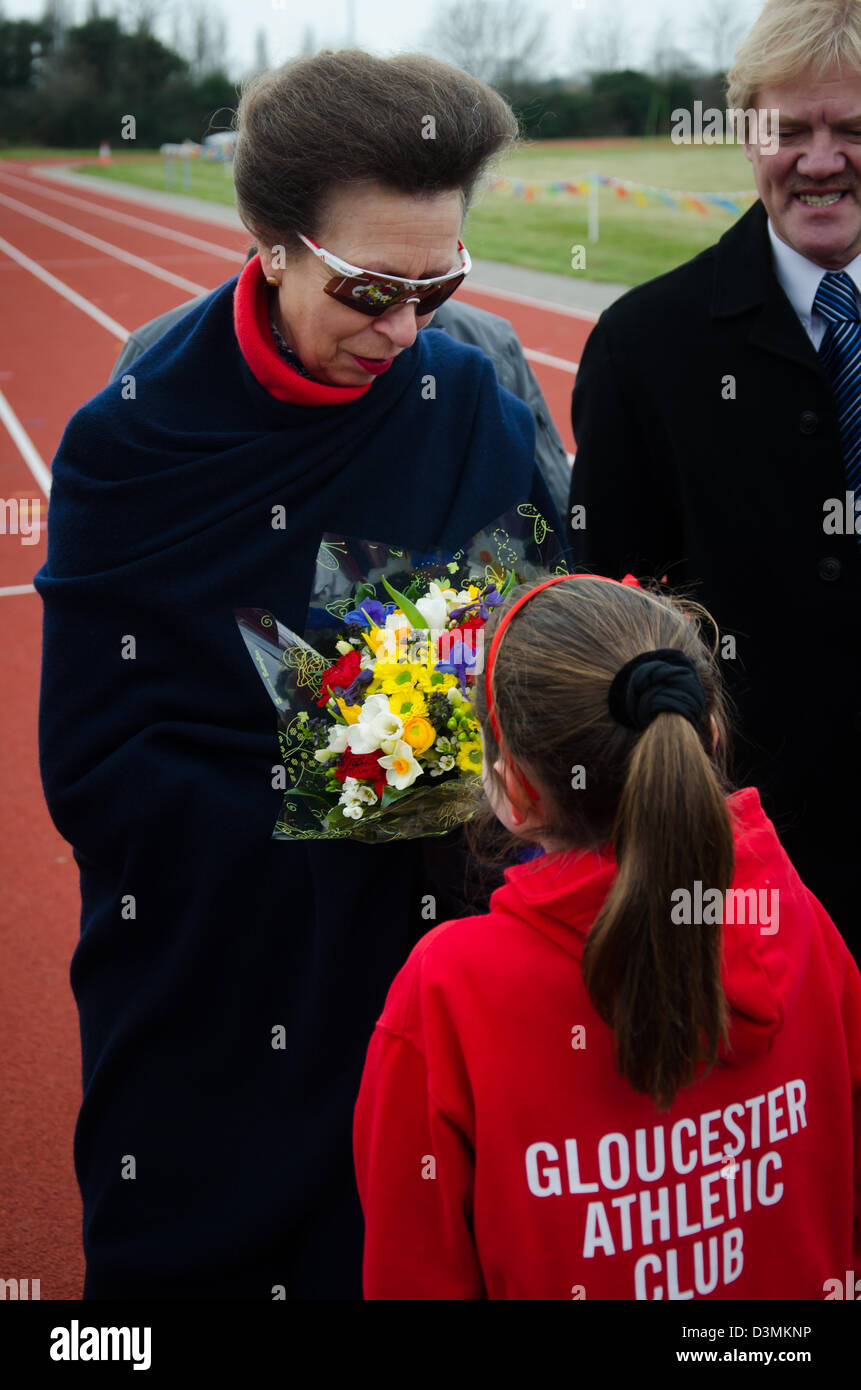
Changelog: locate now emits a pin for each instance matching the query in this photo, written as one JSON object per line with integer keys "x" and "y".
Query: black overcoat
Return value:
{"x": 708, "y": 449}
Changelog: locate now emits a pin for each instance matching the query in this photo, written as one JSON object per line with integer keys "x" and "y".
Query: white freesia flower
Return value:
{"x": 337, "y": 743}
{"x": 401, "y": 767}
{"x": 374, "y": 705}
{"x": 343, "y": 647}
{"x": 353, "y": 811}
{"x": 366, "y": 794}
{"x": 446, "y": 763}
{"x": 375, "y": 724}
{"x": 433, "y": 607}
{"x": 389, "y": 725}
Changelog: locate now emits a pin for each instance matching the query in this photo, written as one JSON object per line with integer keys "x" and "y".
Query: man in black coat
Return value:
{"x": 709, "y": 451}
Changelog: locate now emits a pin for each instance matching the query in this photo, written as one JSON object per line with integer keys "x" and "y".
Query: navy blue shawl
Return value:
{"x": 200, "y": 934}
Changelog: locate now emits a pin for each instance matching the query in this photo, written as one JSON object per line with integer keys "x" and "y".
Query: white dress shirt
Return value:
{"x": 799, "y": 279}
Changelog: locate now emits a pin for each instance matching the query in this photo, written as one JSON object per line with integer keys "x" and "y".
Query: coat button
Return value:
{"x": 808, "y": 421}
{"x": 829, "y": 568}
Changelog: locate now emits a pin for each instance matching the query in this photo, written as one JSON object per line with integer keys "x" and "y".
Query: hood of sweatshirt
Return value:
{"x": 764, "y": 952}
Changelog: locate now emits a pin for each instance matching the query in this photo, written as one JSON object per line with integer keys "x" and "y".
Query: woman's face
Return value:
{"x": 376, "y": 229}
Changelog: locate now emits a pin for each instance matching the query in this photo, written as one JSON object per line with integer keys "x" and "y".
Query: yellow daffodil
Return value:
{"x": 350, "y": 712}
{"x": 376, "y": 639}
{"x": 419, "y": 734}
{"x": 400, "y": 765}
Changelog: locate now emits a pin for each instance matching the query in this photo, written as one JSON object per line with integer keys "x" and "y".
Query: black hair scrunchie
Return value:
{"x": 657, "y": 682}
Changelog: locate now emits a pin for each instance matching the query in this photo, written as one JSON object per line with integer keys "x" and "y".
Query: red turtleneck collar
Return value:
{"x": 257, "y": 345}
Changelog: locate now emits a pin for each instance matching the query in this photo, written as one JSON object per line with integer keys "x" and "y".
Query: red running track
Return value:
{"x": 78, "y": 271}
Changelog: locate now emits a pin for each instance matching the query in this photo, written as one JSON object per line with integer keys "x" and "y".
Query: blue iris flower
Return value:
{"x": 480, "y": 607}
{"x": 354, "y": 692}
{"x": 374, "y": 612}
{"x": 460, "y": 659}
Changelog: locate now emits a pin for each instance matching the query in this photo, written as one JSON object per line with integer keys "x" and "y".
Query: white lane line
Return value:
{"x": 531, "y": 299}
{"x": 46, "y": 278}
{"x": 547, "y": 361}
{"x": 197, "y": 243}
{"x": 149, "y": 267}
{"x": 26, "y": 447}
{"x": 17, "y": 589}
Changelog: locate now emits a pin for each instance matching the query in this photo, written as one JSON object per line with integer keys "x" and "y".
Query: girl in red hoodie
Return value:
{"x": 635, "y": 1077}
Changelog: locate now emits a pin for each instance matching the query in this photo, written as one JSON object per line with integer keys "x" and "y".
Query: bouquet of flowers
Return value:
{"x": 378, "y": 735}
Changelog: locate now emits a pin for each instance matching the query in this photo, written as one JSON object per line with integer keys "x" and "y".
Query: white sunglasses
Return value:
{"x": 373, "y": 293}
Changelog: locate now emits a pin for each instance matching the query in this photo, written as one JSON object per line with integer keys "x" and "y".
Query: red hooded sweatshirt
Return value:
{"x": 500, "y": 1155}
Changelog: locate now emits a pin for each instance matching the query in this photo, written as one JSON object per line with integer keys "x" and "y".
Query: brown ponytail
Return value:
{"x": 658, "y": 796}
{"x": 657, "y": 982}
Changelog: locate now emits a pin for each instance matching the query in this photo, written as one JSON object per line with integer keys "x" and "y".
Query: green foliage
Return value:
{"x": 23, "y": 44}
{"x": 78, "y": 94}
{"x": 622, "y": 103}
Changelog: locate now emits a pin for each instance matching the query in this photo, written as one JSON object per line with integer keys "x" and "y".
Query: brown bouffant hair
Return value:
{"x": 319, "y": 123}
{"x": 656, "y": 797}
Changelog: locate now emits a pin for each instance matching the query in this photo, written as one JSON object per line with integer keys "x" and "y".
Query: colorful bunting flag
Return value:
{"x": 641, "y": 194}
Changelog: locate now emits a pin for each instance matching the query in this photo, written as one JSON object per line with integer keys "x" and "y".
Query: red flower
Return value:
{"x": 343, "y": 673}
{"x": 365, "y": 767}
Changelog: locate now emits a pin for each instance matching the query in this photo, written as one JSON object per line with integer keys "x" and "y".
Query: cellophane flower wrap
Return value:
{"x": 378, "y": 735}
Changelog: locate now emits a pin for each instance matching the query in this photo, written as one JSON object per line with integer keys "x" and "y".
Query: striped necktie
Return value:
{"x": 840, "y": 353}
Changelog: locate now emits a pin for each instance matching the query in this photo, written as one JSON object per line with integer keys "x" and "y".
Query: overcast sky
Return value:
{"x": 385, "y": 26}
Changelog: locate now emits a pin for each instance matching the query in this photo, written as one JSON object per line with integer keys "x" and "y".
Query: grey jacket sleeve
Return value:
{"x": 496, "y": 338}
{"x": 149, "y": 333}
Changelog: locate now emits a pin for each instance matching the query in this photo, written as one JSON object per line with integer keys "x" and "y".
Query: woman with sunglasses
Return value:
{"x": 228, "y": 983}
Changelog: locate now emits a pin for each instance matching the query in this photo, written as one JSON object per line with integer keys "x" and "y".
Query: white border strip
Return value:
{"x": 532, "y": 355}
{"x": 26, "y": 447}
{"x": 545, "y": 304}
{"x": 107, "y": 247}
{"x": 196, "y": 242}
{"x": 17, "y": 589}
{"x": 45, "y": 277}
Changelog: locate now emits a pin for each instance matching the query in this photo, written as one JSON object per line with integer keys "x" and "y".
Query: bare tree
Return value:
{"x": 602, "y": 42}
{"x": 143, "y": 16}
{"x": 204, "y": 44}
{"x": 261, "y": 51}
{"x": 498, "y": 41}
{"x": 667, "y": 59}
{"x": 718, "y": 29}
{"x": 57, "y": 14}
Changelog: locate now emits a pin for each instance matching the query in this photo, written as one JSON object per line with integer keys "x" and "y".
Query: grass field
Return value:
{"x": 635, "y": 243}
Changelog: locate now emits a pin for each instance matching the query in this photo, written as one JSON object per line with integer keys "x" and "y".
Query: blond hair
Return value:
{"x": 791, "y": 38}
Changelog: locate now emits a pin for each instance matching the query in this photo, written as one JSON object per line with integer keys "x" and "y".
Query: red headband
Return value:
{"x": 628, "y": 580}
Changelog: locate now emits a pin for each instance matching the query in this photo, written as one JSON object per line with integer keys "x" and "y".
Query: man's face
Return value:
{"x": 379, "y": 230}
{"x": 810, "y": 184}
